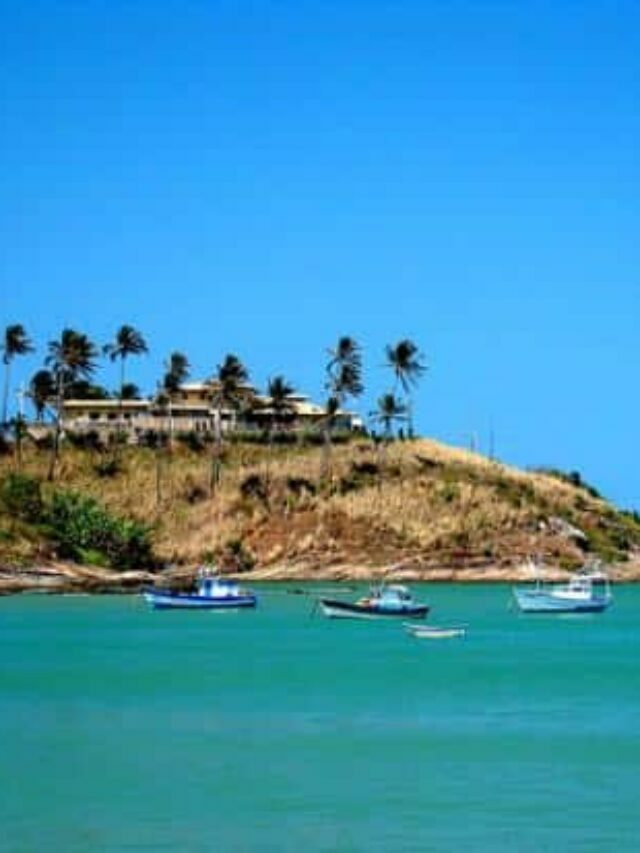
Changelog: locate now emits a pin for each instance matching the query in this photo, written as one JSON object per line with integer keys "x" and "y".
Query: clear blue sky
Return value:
{"x": 261, "y": 177}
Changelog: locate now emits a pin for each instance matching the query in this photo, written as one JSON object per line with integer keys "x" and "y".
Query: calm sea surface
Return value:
{"x": 275, "y": 730}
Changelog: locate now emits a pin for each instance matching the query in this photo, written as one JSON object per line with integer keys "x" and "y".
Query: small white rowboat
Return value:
{"x": 433, "y": 632}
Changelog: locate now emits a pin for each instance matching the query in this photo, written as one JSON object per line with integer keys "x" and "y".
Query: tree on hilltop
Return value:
{"x": 389, "y": 410}
{"x": 71, "y": 357}
{"x": 15, "y": 342}
{"x": 279, "y": 392}
{"x": 178, "y": 370}
{"x": 42, "y": 390}
{"x": 128, "y": 341}
{"x": 407, "y": 365}
{"x": 344, "y": 380}
{"x": 230, "y": 392}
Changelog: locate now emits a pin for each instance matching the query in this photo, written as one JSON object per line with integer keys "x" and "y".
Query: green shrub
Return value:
{"x": 153, "y": 439}
{"x": 44, "y": 442}
{"x": 247, "y": 437}
{"x": 21, "y": 497}
{"x": 284, "y": 438}
{"x": 193, "y": 440}
{"x": 255, "y": 486}
{"x": 573, "y": 478}
{"x": 107, "y": 468}
{"x": 299, "y": 486}
{"x": 236, "y": 557}
{"x": 90, "y": 440}
{"x": 81, "y": 525}
{"x": 119, "y": 438}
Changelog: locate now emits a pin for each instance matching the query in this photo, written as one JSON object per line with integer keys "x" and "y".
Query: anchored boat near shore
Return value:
{"x": 588, "y": 591}
{"x": 435, "y": 632}
{"x": 384, "y": 601}
{"x": 212, "y": 593}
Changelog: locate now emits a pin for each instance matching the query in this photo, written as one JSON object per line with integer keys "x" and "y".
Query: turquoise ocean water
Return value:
{"x": 125, "y": 729}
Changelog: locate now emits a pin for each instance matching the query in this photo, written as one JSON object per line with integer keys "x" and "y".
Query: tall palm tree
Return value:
{"x": 389, "y": 410}
{"x": 130, "y": 391}
{"x": 344, "y": 379}
{"x": 279, "y": 392}
{"x": 128, "y": 341}
{"x": 280, "y": 407}
{"x": 177, "y": 371}
{"x": 70, "y": 358}
{"x": 16, "y": 342}
{"x": 230, "y": 391}
{"x": 346, "y": 351}
{"x": 231, "y": 378}
{"x": 42, "y": 390}
{"x": 406, "y": 362}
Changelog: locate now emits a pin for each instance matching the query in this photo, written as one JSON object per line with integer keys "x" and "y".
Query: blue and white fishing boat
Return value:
{"x": 588, "y": 591}
{"x": 212, "y": 593}
{"x": 384, "y": 601}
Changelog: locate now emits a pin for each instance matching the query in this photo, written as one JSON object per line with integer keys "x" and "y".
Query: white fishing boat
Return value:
{"x": 212, "y": 593}
{"x": 588, "y": 591}
{"x": 434, "y": 632}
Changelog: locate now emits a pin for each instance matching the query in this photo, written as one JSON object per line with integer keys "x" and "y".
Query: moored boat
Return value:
{"x": 384, "y": 601}
{"x": 212, "y": 593}
{"x": 435, "y": 632}
{"x": 588, "y": 591}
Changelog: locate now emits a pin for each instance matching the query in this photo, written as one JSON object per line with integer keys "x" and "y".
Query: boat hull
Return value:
{"x": 336, "y": 609}
{"x": 539, "y": 601}
{"x": 433, "y": 632}
{"x": 179, "y": 601}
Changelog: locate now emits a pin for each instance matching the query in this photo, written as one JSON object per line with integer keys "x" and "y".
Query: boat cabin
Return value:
{"x": 213, "y": 586}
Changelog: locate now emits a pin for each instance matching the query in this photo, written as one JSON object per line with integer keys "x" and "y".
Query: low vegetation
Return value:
{"x": 415, "y": 505}
{"x": 70, "y": 525}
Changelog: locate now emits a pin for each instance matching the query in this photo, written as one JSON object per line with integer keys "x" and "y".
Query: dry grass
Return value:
{"x": 417, "y": 501}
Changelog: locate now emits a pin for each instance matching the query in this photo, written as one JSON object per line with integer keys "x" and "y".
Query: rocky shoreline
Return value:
{"x": 65, "y": 578}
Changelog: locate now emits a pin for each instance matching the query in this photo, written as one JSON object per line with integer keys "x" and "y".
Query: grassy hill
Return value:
{"x": 415, "y": 508}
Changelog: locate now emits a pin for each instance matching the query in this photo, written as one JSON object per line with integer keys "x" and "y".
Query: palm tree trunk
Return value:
{"x": 55, "y": 448}
{"x": 19, "y": 434}
{"x": 159, "y": 475}
{"x": 120, "y": 427}
{"x": 214, "y": 472}
{"x": 5, "y": 401}
{"x": 120, "y": 404}
{"x": 325, "y": 460}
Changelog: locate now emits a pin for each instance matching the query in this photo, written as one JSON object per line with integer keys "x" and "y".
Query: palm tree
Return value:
{"x": 130, "y": 391}
{"x": 344, "y": 369}
{"x": 389, "y": 410}
{"x": 16, "y": 342}
{"x": 42, "y": 390}
{"x": 72, "y": 357}
{"x": 177, "y": 371}
{"x": 346, "y": 351}
{"x": 279, "y": 392}
{"x": 406, "y": 362}
{"x": 128, "y": 341}
{"x": 231, "y": 379}
{"x": 230, "y": 392}
{"x": 344, "y": 379}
